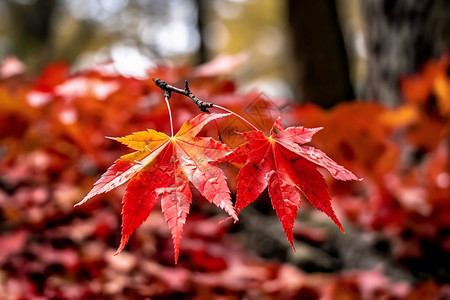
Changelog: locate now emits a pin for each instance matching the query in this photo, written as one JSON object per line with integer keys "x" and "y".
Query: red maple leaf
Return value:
{"x": 162, "y": 168}
{"x": 288, "y": 168}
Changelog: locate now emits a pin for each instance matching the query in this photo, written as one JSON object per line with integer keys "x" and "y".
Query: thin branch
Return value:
{"x": 202, "y": 105}
{"x": 167, "y": 88}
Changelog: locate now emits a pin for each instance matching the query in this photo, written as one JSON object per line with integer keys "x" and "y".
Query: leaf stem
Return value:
{"x": 166, "y": 98}
{"x": 235, "y": 114}
{"x": 218, "y": 131}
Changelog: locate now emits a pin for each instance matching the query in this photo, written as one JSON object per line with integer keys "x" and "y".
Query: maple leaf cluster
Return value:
{"x": 163, "y": 166}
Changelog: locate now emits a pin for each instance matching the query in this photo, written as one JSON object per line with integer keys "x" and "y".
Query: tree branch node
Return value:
{"x": 168, "y": 89}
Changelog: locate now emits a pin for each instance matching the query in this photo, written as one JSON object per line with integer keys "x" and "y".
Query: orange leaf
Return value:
{"x": 162, "y": 168}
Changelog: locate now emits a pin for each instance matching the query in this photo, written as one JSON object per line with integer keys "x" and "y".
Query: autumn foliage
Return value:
{"x": 281, "y": 163}
{"x": 163, "y": 167}
{"x": 53, "y": 150}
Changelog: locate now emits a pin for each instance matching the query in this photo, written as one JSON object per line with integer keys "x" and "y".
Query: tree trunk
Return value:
{"x": 401, "y": 36}
{"x": 319, "y": 52}
{"x": 202, "y": 54}
{"x": 31, "y": 27}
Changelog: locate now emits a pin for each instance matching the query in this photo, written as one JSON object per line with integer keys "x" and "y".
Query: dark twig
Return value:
{"x": 167, "y": 88}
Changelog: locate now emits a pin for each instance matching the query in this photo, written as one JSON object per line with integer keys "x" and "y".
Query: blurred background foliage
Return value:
{"x": 324, "y": 55}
